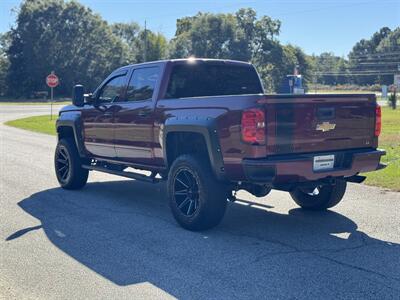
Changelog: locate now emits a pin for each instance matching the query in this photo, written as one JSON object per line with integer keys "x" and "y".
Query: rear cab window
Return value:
{"x": 202, "y": 79}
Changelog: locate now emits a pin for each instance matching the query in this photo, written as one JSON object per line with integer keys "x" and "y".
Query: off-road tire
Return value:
{"x": 211, "y": 197}
{"x": 66, "y": 155}
{"x": 329, "y": 196}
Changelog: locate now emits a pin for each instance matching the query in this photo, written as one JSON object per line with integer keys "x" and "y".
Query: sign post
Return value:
{"x": 51, "y": 81}
{"x": 384, "y": 91}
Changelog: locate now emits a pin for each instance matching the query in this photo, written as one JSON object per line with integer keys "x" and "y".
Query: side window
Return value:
{"x": 112, "y": 90}
{"x": 142, "y": 84}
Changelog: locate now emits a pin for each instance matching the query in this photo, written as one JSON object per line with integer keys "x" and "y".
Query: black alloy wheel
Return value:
{"x": 186, "y": 192}
{"x": 68, "y": 165}
{"x": 196, "y": 198}
{"x": 63, "y": 163}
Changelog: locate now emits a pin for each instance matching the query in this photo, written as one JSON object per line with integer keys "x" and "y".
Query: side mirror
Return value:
{"x": 77, "y": 95}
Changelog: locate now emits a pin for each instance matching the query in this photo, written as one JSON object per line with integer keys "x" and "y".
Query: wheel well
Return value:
{"x": 179, "y": 143}
{"x": 65, "y": 132}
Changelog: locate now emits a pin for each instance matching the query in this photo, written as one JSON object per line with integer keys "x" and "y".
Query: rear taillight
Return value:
{"x": 378, "y": 120}
{"x": 253, "y": 126}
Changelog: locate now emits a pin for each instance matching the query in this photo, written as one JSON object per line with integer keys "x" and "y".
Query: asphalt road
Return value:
{"x": 117, "y": 239}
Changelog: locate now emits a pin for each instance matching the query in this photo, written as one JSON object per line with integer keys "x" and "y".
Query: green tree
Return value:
{"x": 4, "y": 63}
{"x": 240, "y": 36}
{"x": 389, "y": 48}
{"x": 330, "y": 69}
{"x": 302, "y": 62}
{"x": 129, "y": 34}
{"x": 65, "y": 37}
{"x": 180, "y": 46}
{"x": 153, "y": 44}
{"x": 137, "y": 41}
{"x": 205, "y": 35}
{"x": 371, "y": 56}
{"x": 391, "y": 43}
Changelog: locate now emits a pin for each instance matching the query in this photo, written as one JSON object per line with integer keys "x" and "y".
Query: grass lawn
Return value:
{"x": 389, "y": 140}
{"x": 21, "y": 101}
{"x": 318, "y": 91}
{"x": 33, "y": 103}
{"x": 41, "y": 124}
{"x": 378, "y": 94}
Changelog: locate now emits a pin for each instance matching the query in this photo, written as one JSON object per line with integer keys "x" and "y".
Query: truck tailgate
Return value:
{"x": 318, "y": 123}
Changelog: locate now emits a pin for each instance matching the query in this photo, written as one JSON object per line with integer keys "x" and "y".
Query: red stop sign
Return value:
{"x": 52, "y": 80}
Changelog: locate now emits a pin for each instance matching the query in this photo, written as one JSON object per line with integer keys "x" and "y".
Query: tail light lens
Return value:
{"x": 253, "y": 126}
{"x": 378, "y": 120}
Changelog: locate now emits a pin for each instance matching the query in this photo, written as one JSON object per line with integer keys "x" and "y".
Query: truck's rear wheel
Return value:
{"x": 67, "y": 164}
{"x": 321, "y": 197}
{"x": 197, "y": 200}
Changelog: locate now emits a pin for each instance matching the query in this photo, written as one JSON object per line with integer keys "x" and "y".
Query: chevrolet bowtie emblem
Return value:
{"x": 325, "y": 126}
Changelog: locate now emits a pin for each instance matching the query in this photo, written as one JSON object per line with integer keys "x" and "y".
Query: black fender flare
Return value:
{"x": 73, "y": 120}
{"x": 204, "y": 126}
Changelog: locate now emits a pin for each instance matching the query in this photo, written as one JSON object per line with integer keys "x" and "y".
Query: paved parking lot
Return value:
{"x": 117, "y": 239}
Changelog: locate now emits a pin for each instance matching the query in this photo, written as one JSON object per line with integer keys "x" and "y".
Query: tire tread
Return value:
{"x": 213, "y": 203}
{"x": 79, "y": 176}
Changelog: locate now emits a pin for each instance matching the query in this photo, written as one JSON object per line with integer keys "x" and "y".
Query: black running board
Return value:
{"x": 132, "y": 175}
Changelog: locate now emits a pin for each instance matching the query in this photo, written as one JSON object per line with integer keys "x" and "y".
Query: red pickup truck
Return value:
{"x": 206, "y": 127}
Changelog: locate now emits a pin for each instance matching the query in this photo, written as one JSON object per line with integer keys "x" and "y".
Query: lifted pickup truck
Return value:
{"x": 207, "y": 128}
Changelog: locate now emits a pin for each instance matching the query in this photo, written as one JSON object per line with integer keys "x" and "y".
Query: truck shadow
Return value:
{"x": 123, "y": 230}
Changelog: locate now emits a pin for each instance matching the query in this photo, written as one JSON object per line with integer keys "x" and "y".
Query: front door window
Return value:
{"x": 111, "y": 92}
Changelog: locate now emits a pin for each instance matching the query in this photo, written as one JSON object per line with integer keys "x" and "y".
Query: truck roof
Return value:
{"x": 190, "y": 60}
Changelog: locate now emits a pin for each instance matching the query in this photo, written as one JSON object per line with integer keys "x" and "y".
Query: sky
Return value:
{"x": 315, "y": 25}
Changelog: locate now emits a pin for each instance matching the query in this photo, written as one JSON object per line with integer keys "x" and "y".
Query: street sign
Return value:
{"x": 52, "y": 80}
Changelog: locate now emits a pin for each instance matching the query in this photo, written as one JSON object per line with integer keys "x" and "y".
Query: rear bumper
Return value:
{"x": 299, "y": 167}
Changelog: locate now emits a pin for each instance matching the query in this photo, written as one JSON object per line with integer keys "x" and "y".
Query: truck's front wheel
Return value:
{"x": 321, "y": 197}
{"x": 197, "y": 200}
{"x": 67, "y": 164}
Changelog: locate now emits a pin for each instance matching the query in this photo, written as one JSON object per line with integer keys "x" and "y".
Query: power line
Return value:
{"x": 364, "y": 67}
{"x": 374, "y": 55}
{"x": 359, "y": 71}
{"x": 385, "y": 63}
{"x": 326, "y": 8}
{"x": 354, "y": 74}
{"x": 374, "y": 61}
{"x": 388, "y": 51}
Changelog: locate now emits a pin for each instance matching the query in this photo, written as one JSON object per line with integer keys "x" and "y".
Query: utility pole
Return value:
{"x": 145, "y": 42}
